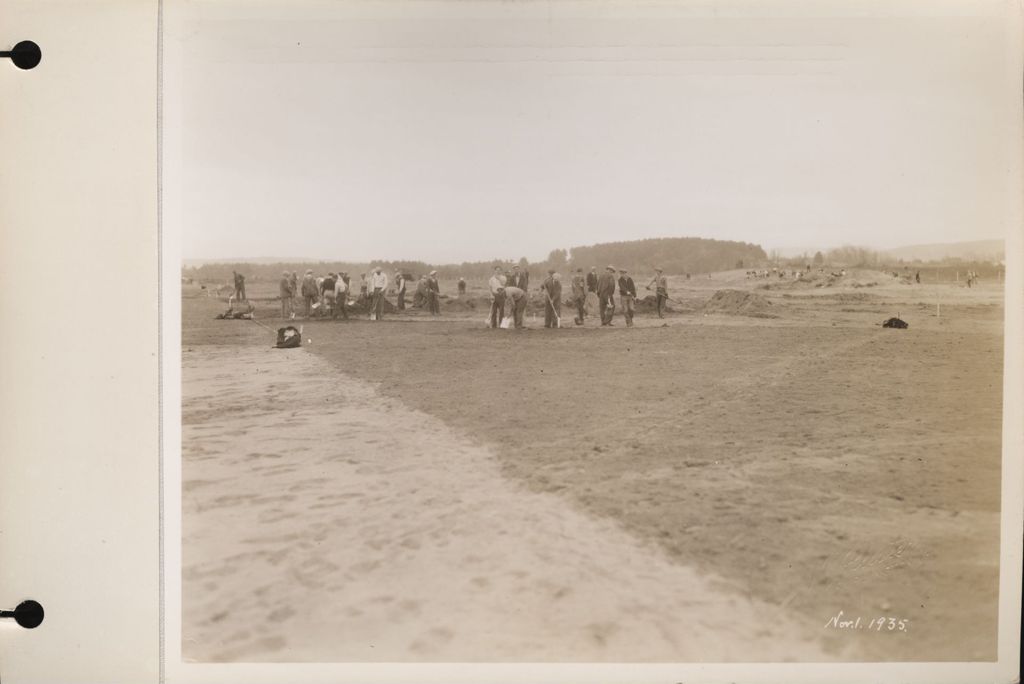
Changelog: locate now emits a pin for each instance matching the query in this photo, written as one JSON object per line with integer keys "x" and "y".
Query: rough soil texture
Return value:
{"x": 320, "y": 526}
{"x": 815, "y": 462}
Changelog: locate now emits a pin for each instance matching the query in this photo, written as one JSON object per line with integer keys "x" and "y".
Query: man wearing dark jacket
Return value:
{"x": 433, "y": 294}
{"x": 606, "y": 295}
{"x": 552, "y": 289}
{"x": 627, "y": 295}
{"x": 520, "y": 279}
{"x": 592, "y": 280}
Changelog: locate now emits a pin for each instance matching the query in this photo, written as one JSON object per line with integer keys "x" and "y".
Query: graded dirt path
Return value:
{"x": 325, "y": 522}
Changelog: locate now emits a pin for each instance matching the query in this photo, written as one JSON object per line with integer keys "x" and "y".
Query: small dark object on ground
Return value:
{"x": 288, "y": 337}
{"x": 895, "y": 323}
{"x": 234, "y": 315}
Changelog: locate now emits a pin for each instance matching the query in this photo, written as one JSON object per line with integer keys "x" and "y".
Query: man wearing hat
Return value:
{"x": 606, "y": 295}
{"x": 520, "y": 279}
{"x": 579, "y": 295}
{"x": 552, "y": 289}
{"x": 433, "y": 294}
{"x": 310, "y": 291}
{"x": 378, "y": 285}
{"x": 627, "y": 295}
{"x": 660, "y": 283}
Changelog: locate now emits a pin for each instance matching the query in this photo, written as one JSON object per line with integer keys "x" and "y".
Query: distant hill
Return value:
{"x": 674, "y": 255}
{"x": 977, "y": 250}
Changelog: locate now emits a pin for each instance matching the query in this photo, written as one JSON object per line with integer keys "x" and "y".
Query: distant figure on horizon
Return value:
{"x": 462, "y": 286}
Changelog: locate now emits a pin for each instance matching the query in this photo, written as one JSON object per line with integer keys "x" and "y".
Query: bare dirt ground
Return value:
{"x": 803, "y": 460}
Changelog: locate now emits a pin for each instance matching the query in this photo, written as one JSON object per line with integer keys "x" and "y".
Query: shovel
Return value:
{"x": 558, "y": 319}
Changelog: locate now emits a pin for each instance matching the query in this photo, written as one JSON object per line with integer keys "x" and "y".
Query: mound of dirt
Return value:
{"x": 740, "y": 303}
{"x": 364, "y": 307}
{"x": 466, "y": 304}
{"x": 649, "y": 304}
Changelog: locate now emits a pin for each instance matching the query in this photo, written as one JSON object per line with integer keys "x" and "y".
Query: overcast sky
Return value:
{"x": 469, "y": 129}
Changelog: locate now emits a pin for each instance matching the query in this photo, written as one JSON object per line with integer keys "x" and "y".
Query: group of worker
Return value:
{"x": 511, "y": 289}
{"x": 331, "y": 295}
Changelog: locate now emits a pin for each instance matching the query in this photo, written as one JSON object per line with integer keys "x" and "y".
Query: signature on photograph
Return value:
{"x": 881, "y": 623}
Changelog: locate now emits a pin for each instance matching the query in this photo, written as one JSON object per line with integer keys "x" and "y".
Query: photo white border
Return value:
{"x": 1005, "y": 669}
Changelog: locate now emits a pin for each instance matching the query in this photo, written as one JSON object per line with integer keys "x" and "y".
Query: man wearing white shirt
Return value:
{"x": 378, "y": 284}
{"x": 497, "y": 283}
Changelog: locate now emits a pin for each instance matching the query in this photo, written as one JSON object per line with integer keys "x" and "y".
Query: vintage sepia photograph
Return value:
{"x": 556, "y": 331}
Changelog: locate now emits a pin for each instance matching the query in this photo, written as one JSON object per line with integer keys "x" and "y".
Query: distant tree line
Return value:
{"x": 674, "y": 255}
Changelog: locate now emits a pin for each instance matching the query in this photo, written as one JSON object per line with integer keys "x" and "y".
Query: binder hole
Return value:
{"x": 28, "y": 614}
{"x": 26, "y": 55}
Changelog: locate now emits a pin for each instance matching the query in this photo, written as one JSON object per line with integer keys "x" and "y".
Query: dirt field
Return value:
{"x": 777, "y": 442}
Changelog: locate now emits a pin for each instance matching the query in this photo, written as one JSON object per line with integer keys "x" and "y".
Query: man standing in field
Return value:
{"x": 433, "y": 294}
{"x": 295, "y": 290}
{"x": 592, "y": 280}
{"x": 309, "y": 292}
{"x": 239, "y": 286}
{"x": 286, "y": 296}
{"x": 400, "y": 289}
{"x": 378, "y": 285}
{"x": 341, "y": 296}
{"x": 520, "y": 279}
{"x": 516, "y": 297}
{"x": 660, "y": 283}
{"x": 552, "y": 289}
{"x": 327, "y": 295}
{"x": 363, "y": 296}
{"x": 579, "y": 295}
{"x": 627, "y": 295}
{"x": 497, "y": 287}
{"x": 462, "y": 286}
{"x": 606, "y": 295}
